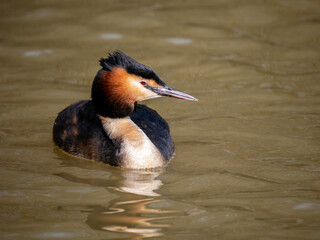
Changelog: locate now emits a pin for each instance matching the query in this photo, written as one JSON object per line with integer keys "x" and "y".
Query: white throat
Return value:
{"x": 136, "y": 150}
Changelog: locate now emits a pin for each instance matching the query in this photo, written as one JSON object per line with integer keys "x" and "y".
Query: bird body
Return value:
{"x": 112, "y": 127}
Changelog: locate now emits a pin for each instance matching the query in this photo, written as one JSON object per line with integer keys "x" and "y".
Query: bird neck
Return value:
{"x": 136, "y": 149}
{"x": 107, "y": 101}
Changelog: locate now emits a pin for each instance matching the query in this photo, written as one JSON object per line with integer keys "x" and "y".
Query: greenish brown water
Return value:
{"x": 247, "y": 154}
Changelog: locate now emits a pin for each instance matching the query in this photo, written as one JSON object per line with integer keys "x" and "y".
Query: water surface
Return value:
{"x": 247, "y": 154}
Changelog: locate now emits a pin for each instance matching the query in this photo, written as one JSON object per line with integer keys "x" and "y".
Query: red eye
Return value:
{"x": 143, "y": 83}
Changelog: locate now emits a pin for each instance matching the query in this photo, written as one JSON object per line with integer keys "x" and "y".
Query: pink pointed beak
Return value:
{"x": 171, "y": 92}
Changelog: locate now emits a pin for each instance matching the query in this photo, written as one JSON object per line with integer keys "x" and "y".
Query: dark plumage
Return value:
{"x": 119, "y": 59}
{"x": 78, "y": 131}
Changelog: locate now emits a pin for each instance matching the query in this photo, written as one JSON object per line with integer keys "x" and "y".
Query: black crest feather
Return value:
{"x": 119, "y": 59}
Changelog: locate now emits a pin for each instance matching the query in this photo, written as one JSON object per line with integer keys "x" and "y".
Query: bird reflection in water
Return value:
{"x": 133, "y": 214}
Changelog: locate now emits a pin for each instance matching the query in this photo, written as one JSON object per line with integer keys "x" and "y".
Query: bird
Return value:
{"x": 112, "y": 127}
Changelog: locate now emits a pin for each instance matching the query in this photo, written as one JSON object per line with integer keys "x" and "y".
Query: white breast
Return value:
{"x": 136, "y": 150}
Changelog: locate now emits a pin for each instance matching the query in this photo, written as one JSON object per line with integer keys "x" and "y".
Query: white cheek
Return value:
{"x": 155, "y": 96}
{"x": 144, "y": 93}
{"x": 141, "y": 92}
{"x": 147, "y": 94}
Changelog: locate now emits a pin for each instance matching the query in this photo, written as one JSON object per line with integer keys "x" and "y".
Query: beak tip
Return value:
{"x": 193, "y": 99}
{"x": 171, "y": 92}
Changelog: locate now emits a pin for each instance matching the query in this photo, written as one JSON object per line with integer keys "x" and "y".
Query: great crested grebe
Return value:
{"x": 112, "y": 127}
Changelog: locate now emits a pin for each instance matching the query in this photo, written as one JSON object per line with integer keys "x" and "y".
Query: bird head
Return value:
{"x": 122, "y": 82}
